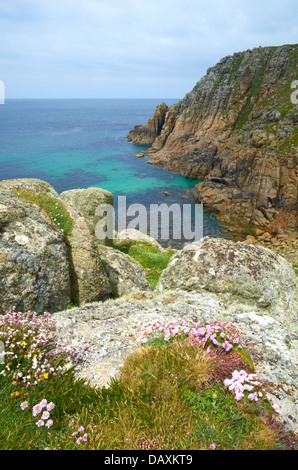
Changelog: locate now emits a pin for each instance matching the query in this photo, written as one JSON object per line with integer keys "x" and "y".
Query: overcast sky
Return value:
{"x": 129, "y": 48}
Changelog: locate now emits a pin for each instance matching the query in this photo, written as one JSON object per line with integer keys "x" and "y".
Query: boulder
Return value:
{"x": 89, "y": 281}
{"x": 86, "y": 202}
{"x": 249, "y": 274}
{"x": 137, "y": 236}
{"x": 125, "y": 273}
{"x": 34, "y": 268}
{"x": 38, "y": 185}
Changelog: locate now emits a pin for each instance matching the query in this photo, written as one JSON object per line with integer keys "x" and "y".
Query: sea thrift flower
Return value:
{"x": 40, "y": 423}
{"x": 276, "y": 408}
{"x": 212, "y": 447}
{"x": 24, "y": 405}
{"x": 50, "y": 406}
{"x": 45, "y": 415}
{"x": 36, "y": 409}
{"x": 49, "y": 423}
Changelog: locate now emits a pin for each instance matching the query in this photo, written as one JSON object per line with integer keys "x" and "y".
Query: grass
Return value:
{"x": 151, "y": 258}
{"x": 168, "y": 395}
{"x": 54, "y": 209}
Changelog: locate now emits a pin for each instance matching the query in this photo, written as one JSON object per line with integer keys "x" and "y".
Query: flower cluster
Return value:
{"x": 80, "y": 438}
{"x": 218, "y": 333}
{"x": 151, "y": 444}
{"x": 29, "y": 347}
{"x": 39, "y": 408}
{"x": 244, "y": 384}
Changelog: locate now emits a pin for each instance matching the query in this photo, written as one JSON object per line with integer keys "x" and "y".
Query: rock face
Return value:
{"x": 237, "y": 131}
{"x": 89, "y": 280}
{"x": 124, "y": 273}
{"x": 86, "y": 202}
{"x": 34, "y": 269}
{"x": 145, "y": 135}
{"x": 32, "y": 183}
{"x": 40, "y": 270}
{"x": 137, "y": 236}
{"x": 248, "y": 274}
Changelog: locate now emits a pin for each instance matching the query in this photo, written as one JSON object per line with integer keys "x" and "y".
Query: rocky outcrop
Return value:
{"x": 248, "y": 274}
{"x": 132, "y": 235}
{"x": 145, "y": 135}
{"x": 89, "y": 280}
{"x": 111, "y": 331}
{"x": 37, "y": 185}
{"x": 124, "y": 273}
{"x": 237, "y": 132}
{"x": 86, "y": 202}
{"x": 43, "y": 270}
{"x": 34, "y": 268}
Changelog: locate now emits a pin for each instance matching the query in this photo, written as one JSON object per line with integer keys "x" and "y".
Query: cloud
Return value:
{"x": 136, "y": 48}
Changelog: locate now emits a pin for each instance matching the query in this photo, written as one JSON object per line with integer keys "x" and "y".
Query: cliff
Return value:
{"x": 236, "y": 131}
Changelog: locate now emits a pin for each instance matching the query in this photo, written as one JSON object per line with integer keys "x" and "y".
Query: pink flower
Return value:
{"x": 81, "y": 429}
{"x": 276, "y": 408}
{"x": 50, "y": 406}
{"x": 45, "y": 415}
{"x": 212, "y": 447}
{"x": 24, "y": 405}
{"x": 85, "y": 437}
{"x": 40, "y": 423}
{"x": 43, "y": 403}
{"x": 36, "y": 409}
{"x": 49, "y": 423}
{"x": 79, "y": 440}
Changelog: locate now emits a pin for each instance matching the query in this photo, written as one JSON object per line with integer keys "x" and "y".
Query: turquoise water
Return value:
{"x": 82, "y": 143}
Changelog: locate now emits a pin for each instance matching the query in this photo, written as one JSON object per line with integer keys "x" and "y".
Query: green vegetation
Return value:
{"x": 237, "y": 63}
{"x": 167, "y": 396}
{"x": 253, "y": 93}
{"x": 153, "y": 260}
{"x": 222, "y": 420}
{"x": 54, "y": 209}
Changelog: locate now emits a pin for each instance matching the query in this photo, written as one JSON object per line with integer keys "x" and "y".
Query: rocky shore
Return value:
{"x": 237, "y": 132}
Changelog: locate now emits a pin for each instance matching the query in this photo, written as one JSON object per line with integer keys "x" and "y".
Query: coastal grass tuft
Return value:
{"x": 54, "y": 209}
{"x": 151, "y": 258}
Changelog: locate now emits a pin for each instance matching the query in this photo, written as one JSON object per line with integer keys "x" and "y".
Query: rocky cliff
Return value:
{"x": 237, "y": 131}
{"x": 145, "y": 135}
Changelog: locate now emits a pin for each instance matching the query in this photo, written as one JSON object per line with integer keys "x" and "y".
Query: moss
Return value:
{"x": 55, "y": 210}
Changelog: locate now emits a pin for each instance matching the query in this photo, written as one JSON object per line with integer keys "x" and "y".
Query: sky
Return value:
{"x": 129, "y": 48}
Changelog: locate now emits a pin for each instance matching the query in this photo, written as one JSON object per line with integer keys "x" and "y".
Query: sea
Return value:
{"x": 78, "y": 143}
